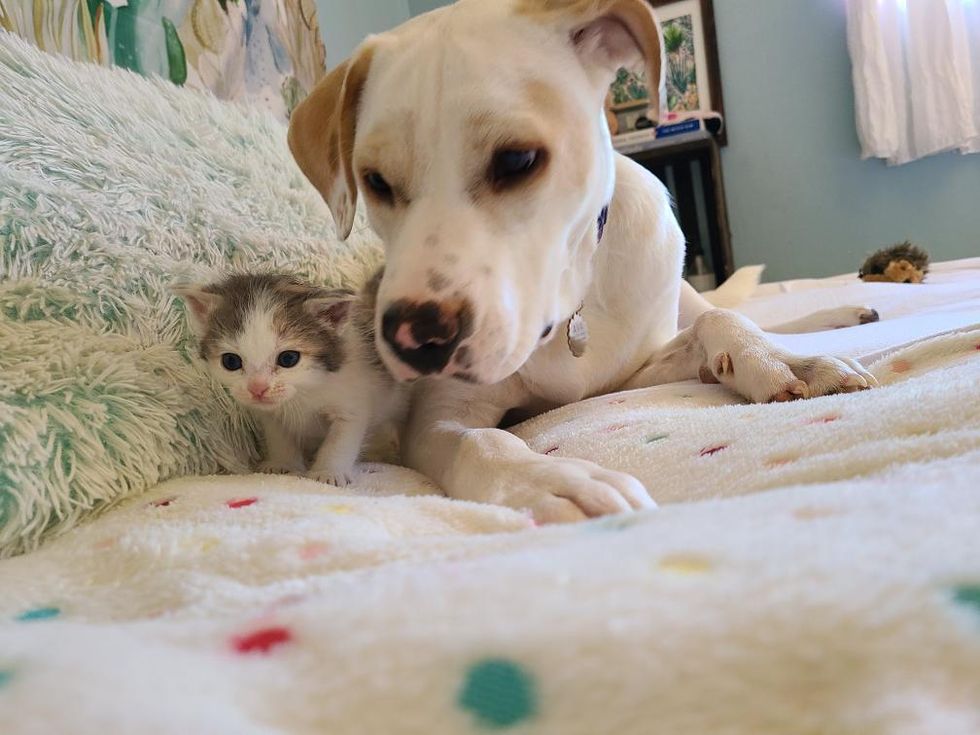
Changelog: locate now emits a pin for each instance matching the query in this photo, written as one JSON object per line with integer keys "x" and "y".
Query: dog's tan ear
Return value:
{"x": 321, "y": 136}
{"x": 609, "y": 34}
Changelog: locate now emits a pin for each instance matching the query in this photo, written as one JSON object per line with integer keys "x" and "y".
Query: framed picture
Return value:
{"x": 693, "y": 79}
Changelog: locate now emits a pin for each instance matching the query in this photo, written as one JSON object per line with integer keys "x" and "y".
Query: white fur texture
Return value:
{"x": 113, "y": 187}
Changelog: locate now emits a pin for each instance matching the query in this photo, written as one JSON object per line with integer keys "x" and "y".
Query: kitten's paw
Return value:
{"x": 271, "y": 467}
{"x": 332, "y": 477}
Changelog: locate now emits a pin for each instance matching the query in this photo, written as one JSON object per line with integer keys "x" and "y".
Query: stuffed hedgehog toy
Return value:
{"x": 900, "y": 263}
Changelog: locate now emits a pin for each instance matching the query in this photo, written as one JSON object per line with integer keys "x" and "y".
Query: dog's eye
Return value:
{"x": 287, "y": 359}
{"x": 376, "y": 183}
{"x": 510, "y": 166}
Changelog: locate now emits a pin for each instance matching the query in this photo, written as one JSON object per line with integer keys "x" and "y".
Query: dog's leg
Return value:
{"x": 826, "y": 319}
{"x": 446, "y": 438}
{"x": 693, "y": 305}
{"x": 724, "y": 347}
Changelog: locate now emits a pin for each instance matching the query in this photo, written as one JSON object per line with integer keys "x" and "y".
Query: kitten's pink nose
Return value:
{"x": 258, "y": 388}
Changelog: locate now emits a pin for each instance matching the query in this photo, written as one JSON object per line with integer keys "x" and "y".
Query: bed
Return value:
{"x": 813, "y": 567}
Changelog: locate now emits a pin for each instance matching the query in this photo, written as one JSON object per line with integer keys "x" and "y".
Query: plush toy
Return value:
{"x": 900, "y": 263}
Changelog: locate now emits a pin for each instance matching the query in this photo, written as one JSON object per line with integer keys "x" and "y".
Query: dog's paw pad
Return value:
{"x": 852, "y": 382}
{"x": 829, "y": 375}
{"x": 794, "y": 391}
{"x": 723, "y": 365}
{"x": 868, "y": 316}
{"x": 706, "y": 376}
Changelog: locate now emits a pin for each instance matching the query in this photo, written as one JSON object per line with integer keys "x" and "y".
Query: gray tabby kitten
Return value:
{"x": 302, "y": 359}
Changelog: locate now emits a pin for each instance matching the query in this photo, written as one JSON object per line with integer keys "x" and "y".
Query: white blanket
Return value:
{"x": 845, "y": 599}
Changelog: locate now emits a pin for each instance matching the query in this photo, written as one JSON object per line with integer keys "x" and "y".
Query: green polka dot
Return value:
{"x": 39, "y": 613}
{"x": 498, "y": 693}
{"x": 654, "y": 438}
{"x": 5, "y": 677}
{"x": 968, "y": 595}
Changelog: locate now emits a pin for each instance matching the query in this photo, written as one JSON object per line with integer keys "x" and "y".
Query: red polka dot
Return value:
{"x": 163, "y": 502}
{"x": 616, "y": 427}
{"x": 313, "y": 549}
{"x": 901, "y": 366}
{"x": 823, "y": 420}
{"x": 621, "y": 401}
{"x": 552, "y": 450}
{"x": 262, "y": 641}
{"x": 241, "y": 502}
{"x": 709, "y": 451}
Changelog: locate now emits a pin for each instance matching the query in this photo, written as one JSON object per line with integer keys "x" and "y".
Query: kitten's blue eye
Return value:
{"x": 231, "y": 361}
{"x": 287, "y": 359}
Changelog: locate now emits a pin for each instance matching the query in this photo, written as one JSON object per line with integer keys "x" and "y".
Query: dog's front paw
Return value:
{"x": 563, "y": 489}
{"x": 274, "y": 467}
{"x": 332, "y": 476}
{"x": 771, "y": 376}
{"x": 826, "y": 375}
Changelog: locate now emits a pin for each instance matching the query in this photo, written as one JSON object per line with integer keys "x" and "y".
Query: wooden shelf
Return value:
{"x": 681, "y": 158}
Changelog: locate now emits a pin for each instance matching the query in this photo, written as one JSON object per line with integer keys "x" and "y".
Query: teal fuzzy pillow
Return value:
{"x": 113, "y": 187}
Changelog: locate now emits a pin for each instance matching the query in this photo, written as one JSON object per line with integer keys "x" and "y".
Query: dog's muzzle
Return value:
{"x": 424, "y": 336}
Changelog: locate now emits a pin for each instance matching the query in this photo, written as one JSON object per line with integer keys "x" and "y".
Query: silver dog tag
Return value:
{"x": 578, "y": 334}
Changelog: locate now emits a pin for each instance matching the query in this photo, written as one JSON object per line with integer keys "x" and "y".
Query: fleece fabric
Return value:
{"x": 112, "y": 188}
{"x": 814, "y": 568}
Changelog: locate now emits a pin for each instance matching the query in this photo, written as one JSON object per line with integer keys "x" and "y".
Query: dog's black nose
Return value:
{"x": 425, "y": 335}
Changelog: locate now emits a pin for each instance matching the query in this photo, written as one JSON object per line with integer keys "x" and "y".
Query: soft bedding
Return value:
{"x": 112, "y": 188}
{"x": 814, "y": 568}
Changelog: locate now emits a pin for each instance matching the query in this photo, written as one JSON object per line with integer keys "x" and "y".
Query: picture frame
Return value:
{"x": 693, "y": 76}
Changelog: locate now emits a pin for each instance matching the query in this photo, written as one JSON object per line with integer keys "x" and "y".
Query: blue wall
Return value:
{"x": 345, "y": 23}
{"x": 800, "y": 199}
{"x": 417, "y": 7}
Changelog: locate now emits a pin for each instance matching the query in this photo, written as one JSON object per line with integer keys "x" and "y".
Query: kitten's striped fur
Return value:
{"x": 316, "y": 411}
{"x": 285, "y": 298}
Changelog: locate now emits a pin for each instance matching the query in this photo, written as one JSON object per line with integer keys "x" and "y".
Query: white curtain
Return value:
{"x": 916, "y": 67}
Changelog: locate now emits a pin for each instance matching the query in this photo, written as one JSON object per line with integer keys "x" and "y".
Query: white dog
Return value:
{"x": 476, "y": 135}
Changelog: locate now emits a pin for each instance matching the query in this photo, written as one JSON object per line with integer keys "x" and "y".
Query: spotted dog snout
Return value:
{"x": 425, "y": 335}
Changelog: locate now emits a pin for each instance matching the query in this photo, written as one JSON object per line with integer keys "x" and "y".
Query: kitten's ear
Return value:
{"x": 200, "y": 304}
{"x": 332, "y": 311}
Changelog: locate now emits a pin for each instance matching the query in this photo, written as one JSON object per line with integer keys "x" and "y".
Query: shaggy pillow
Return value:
{"x": 113, "y": 187}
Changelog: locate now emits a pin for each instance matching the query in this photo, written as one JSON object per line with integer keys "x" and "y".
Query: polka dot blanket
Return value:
{"x": 813, "y": 568}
